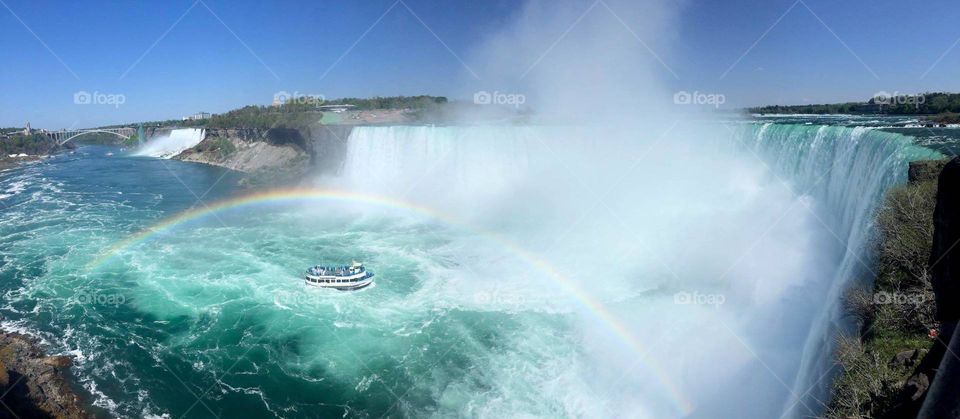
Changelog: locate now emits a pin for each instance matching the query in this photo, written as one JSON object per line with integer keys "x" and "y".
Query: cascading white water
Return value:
{"x": 764, "y": 233}
{"x": 847, "y": 171}
{"x": 172, "y": 144}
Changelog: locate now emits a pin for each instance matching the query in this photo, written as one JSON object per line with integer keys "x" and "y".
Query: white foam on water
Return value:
{"x": 709, "y": 219}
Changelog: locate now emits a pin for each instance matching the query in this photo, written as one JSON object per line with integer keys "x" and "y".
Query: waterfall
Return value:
{"x": 172, "y": 144}
{"x": 847, "y": 170}
{"x": 776, "y": 222}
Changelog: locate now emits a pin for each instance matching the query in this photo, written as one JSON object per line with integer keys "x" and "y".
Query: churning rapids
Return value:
{"x": 522, "y": 271}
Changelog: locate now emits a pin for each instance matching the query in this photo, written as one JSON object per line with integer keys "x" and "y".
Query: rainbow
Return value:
{"x": 301, "y": 195}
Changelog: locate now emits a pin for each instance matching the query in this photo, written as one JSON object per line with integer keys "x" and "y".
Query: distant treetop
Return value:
{"x": 899, "y": 104}
{"x": 296, "y": 112}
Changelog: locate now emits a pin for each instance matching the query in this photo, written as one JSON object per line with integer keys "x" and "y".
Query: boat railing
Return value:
{"x": 336, "y": 271}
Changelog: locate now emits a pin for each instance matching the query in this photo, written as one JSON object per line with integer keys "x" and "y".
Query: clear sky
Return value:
{"x": 176, "y": 57}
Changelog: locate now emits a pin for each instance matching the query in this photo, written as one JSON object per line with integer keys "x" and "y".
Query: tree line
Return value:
{"x": 297, "y": 112}
{"x": 920, "y": 104}
{"x": 33, "y": 144}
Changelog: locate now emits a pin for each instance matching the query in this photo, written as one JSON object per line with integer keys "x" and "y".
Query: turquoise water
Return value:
{"x": 216, "y": 309}
{"x": 945, "y": 140}
{"x": 530, "y": 272}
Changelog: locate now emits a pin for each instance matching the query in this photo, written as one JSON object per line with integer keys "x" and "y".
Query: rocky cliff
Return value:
{"x": 941, "y": 366}
{"x": 33, "y": 384}
{"x": 944, "y": 263}
{"x": 895, "y": 311}
{"x": 246, "y": 150}
{"x": 275, "y": 156}
{"x": 902, "y": 362}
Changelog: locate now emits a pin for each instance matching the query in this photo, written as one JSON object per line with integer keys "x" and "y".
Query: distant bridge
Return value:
{"x": 64, "y": 136}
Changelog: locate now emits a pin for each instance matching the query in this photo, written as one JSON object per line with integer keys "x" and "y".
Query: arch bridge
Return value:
{"x": 64, "y": 136}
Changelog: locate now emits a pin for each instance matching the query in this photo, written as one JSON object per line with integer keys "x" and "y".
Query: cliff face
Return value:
{"x": 152, "y": 132}
{"x": 275, "y": 156}
{"x": 944, "y": 258}
{"x": 35, "y": 385}
{"x": 904, "y": 362}
{"x": 327, "y": 148}
{"x": 246, "y": 150}
{"x": 940, "y": 369}
{"x": 887, "y": 368}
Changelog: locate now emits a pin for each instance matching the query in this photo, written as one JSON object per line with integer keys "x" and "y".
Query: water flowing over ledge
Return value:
{"x": 839, "y": 174}
{"x": 172, "y": 144}
{"x": 500, "y": 250}
{"x": 847, "y": 170}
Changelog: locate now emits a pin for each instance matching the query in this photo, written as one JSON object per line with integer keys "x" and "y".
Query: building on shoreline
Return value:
{"x": 198, "y": 116}
{"x": 336, "y": 108}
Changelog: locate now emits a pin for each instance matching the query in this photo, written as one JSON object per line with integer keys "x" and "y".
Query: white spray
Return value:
{"x": 170, "y": 145}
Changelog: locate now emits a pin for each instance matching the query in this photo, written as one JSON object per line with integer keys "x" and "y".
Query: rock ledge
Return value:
{"x": 33, "y": 384}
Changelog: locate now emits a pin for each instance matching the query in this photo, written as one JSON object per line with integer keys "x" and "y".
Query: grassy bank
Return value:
{"x": 894, "y": 315}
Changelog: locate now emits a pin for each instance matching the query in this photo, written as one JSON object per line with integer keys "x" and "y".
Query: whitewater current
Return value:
{"x": 521, "y": 272}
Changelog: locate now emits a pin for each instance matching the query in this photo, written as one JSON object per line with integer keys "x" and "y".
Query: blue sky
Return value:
{"x": 225, "y": 54}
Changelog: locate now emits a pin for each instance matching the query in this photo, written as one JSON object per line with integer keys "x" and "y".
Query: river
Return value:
{"x": 520, "y": 271}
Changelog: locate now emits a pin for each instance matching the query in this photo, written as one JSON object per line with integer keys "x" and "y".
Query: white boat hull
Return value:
{"x": 344, "y": 278}
{"x": 343, "y": 286}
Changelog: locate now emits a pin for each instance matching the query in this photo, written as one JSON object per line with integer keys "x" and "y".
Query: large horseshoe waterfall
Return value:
{"x": 528, "y": 270}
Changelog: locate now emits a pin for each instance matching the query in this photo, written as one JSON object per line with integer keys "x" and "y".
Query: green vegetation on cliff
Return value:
{"x": 33, "y": 144}
{"x": 896, "y": 315}
{"x": 299, "y": 113}
{"x": 219, "y": 145}
{"x": 261, "y": 117}
{"x": 391, "y": 102}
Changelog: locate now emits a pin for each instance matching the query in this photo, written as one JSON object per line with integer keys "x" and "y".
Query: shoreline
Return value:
{"x": 8, "y": 163}
{"x": 36, "y": 384}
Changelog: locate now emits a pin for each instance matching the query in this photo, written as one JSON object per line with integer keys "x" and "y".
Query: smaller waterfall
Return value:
{"x": 172, "y": 144}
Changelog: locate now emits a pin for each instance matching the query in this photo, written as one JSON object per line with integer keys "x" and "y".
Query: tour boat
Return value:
{"x": 344, "y": 278}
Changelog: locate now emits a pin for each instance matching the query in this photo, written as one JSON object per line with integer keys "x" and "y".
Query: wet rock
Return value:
{"x": 916, "y": 387}
{"x": 33, "y": 384}
{"x": 57, "y": 361}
